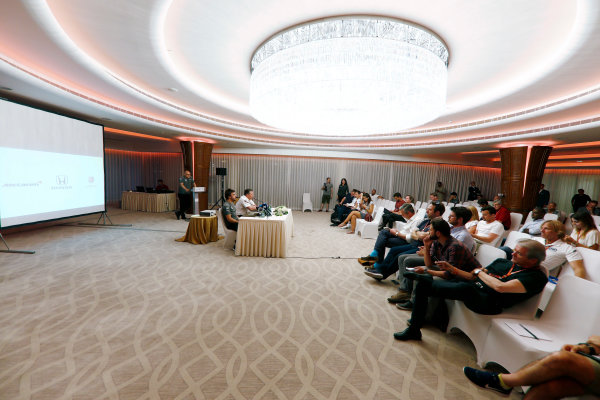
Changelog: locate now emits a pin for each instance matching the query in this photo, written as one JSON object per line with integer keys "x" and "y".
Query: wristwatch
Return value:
{"x": 476, "y": 272}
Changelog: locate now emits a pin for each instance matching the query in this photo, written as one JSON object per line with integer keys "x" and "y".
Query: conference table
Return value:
{"x": 264, "y": 237}
{"x": 201, "y": 230}
{"x": 150, "y": 202}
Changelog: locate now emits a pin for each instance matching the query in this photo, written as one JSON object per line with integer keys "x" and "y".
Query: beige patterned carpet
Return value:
{"x": 129, "y": 313}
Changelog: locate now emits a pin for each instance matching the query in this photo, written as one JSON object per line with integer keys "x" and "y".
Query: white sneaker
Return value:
{"x": 347, "y": 226}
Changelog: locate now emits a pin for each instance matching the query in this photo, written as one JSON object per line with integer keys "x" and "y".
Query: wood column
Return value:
{"x": 521, "y": 179}
{"x": 202, "y": 153}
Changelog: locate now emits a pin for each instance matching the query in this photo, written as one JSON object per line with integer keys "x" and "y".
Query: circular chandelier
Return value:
{"x": 354, "y": 75}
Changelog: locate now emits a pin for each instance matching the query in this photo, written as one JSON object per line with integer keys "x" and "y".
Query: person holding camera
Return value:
{"x": 326, "y": 198}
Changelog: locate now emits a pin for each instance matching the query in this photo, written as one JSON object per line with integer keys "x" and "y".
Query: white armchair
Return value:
{"x": 368, "y": 229}
{"x": 307, "y": 204}
{"x": 230, "y": 235}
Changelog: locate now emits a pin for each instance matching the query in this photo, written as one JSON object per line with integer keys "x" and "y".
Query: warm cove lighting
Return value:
{"x": 349, "y": 76}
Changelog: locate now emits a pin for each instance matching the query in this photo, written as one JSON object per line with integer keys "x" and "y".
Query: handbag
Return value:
{"x": 368, "y": 217}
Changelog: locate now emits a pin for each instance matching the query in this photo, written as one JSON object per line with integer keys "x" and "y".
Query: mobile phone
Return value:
{"x": 410, "y": 269}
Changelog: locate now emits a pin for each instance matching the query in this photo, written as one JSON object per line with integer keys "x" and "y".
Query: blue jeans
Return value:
{"x": 390, "y": 264}
{"x": 386, "y": 239}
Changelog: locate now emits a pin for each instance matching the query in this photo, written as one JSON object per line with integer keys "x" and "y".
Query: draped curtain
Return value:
{"x": 127, "y": 169}
{"x": 563, "y": 184}
{"x": 281, "y": 180}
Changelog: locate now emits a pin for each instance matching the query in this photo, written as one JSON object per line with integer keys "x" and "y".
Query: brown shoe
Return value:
{"x": 399, "y": 297}
{"x": 367, "y": 261}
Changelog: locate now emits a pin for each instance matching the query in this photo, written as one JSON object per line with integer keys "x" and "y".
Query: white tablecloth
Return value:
{"x": 264, "y": 237}
{"x": 152, "y": 202}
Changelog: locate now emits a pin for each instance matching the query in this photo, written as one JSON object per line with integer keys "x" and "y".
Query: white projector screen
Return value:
{"x": 51, "y": 166}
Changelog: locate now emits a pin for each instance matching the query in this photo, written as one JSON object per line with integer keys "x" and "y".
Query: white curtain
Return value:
{"x": 281, "y": 180}
{"x": 564, "y": 183}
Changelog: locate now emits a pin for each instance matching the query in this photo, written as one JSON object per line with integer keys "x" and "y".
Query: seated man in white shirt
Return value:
{"x": 488, "y": 230}
{"x": 534, "y": 227}
{"x": 245, "y": 205}
{"x": 559, "y": 253}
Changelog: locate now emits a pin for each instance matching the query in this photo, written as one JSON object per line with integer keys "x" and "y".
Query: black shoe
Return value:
{"x": 183, "y": 216}
{"x": 486, "y": 380}
{"x": 177, "y": 215}
{"x": 407, "y": 305}
{"x": 335, "y": 224}
{"x": 418, "y": 277}
{"x": 408, "y": 334}
{"x": 373, "y": 273}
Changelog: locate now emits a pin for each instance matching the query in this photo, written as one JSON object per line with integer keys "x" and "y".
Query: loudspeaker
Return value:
{"x": 221, "y": 171}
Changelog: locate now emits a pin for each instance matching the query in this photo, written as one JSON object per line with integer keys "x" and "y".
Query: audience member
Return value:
{"x": 392, "y": 237}
{"x": 543, "y": 197}
{"x": 343, "y": 190}
{"x": 562, "y": 217}
{"x": 488, "y": 230}
{"x": 245, "y": 205}
{"x": 457, "y": 218}
{"x": 590, "y": 207}
{"x": 409, "y": 199}
{"x": 579, "y": 200}
{"x": 572, "y": 371}
{"x": 365, "y": 208}
{"x": 326, "y": 198}
{"x": 441, "y": 191}
{"x": 374, "y": 194}
{"x": 389, "y": 217}
{"x": 184, "y": 193}
{"x": 502, "y": 214}
{"x": 433, "y": 198}
{"x": 559, "y": 253}
{"x": 412, "y": 239}
{"x": 482, "y": 202}
{"x": 160, "y": 186}
{"x": 534, "y": 227}
{"x": 474, "y": 218}
{"x": 453, "y": 198}
{"x": 585, "y": 233}
{"x": 229, "y": 212}
{"x": 485, "y": 291}
{"x": 473, "y": 192}
{"x": 344, "y": 207}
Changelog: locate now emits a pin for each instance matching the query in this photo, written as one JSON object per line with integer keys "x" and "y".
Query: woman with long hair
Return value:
{"x": 474, "y": 219}
{"x": 585, "y": 233}
{"x": 342, "y": 189}
{"x": 366, "y": 207}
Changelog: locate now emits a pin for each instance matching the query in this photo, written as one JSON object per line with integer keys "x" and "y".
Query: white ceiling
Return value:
{"x": 520, "y": 71}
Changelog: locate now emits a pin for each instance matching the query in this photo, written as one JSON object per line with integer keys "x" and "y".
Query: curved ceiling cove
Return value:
{"x": 180, "y": 68}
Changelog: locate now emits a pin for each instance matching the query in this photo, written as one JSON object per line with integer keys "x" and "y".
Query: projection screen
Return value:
{"x": 51, "y": 166}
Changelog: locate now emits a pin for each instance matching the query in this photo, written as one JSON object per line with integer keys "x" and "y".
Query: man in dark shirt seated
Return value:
{"x": 502, "y": 284}
{"x": 161, "y": 187}
{"x": 389, "y": 217}
{"x": 229, "y": 215}
{"x": 341, "y": 210}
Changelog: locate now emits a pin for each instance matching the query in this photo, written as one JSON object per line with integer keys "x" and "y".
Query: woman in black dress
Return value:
{"x": 342, "y": 190}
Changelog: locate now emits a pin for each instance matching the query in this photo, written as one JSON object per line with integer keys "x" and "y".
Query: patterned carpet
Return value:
{"x": 129, "y": 313}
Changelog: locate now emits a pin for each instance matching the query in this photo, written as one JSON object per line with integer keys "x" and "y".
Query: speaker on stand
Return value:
{"x": 221, "y": 173}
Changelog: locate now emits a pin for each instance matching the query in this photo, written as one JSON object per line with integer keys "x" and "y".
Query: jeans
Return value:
{"x": 386, "y": 239}
{"x": 391, "y": 262}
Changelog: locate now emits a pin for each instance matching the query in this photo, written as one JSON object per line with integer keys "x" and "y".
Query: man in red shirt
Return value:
{"x": 389, "y": 217}
{"x": 502, "y": 214}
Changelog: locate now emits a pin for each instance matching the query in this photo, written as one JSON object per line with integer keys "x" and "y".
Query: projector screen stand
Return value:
{"x": 8, "y": 250}
{"x": 104, "y": 216}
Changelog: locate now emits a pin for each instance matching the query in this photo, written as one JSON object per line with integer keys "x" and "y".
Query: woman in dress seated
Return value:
{"x": 365, "y": 207}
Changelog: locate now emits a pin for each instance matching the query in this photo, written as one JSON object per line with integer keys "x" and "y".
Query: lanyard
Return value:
{"x": 509, "y": 273}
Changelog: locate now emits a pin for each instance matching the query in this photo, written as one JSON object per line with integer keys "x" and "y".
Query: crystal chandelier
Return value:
{"x": 355, "y": 75}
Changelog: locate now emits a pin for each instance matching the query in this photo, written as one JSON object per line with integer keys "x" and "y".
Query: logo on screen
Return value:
{"x": 62, "y": 179}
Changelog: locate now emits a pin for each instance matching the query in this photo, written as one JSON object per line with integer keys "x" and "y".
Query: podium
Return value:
{"x": 195, "y": 191}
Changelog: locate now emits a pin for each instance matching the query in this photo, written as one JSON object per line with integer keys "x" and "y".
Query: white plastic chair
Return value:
{"x": 550, "y": 217}
{"x": 571, "y": 317}
{"x": 529, "y": 217}
{"x": 307, "y": 204}
{"x": 390, "y": 205}
{"x": 596, "y": 219}
{"x": 513, "y": 237}
{"x": 417, "y": 205}
{"x": 487, "y": 253}
{"x": 369, "y": 230}
{"x": 591, "y": 262}
{"x": 515, "y": 224}
{"x": 230, "y": 235}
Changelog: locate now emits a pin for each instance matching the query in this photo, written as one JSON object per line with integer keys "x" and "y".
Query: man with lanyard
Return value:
{"x": 572, "y": 371}
{"x": 502, "y": 284}
{"x": 184, "y": 193}
{"x": 245, "y": 204}
{"x": 559, "y": 253}
{"x": 409, "y": 246}
{"x": 395, "y": 238}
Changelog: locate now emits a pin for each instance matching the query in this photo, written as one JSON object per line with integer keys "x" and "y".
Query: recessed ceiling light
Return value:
{"x": 172, "y": 89}
{"x": 578, "y": 161}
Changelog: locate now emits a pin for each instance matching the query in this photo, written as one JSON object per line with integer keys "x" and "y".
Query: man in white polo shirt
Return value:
{"x": 559, "y": 253}
{"x": 488, "y": 230}
{"x": 245, "y": 204}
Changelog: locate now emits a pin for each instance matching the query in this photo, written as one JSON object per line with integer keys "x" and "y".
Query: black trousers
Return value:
{"x": 185, "y": 201}
{"x": 389, "y": 218}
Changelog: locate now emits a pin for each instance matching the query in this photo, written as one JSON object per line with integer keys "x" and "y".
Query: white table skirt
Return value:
{"x": 264, "y": 237}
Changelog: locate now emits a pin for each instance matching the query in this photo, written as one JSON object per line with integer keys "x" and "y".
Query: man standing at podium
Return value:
{"x": 186, "y": 183}
{"x": 245, "y": 204}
